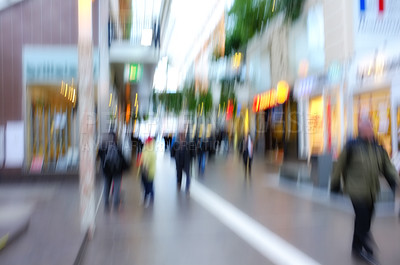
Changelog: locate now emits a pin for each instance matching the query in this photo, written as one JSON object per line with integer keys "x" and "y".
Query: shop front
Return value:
{"x": 274, "y": 122}
{"x": 376, "y": 96}
{"x": 51, "y": 109}
{"x": 322, "y": 122}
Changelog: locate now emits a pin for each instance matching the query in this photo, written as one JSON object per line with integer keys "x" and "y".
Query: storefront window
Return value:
{"x": 375, "y": 106}
{"x": 52, "y": 129}
{"x": 315, "y": 125}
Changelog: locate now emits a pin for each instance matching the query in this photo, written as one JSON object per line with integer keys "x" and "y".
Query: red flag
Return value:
{"x": 381, "y": 5}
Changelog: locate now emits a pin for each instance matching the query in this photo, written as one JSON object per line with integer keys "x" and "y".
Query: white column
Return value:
{"x": 103, "y": 95}
{"x": 86, "y": 116}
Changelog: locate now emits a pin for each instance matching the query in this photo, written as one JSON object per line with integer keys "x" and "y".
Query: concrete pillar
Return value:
{"x": 103, "y": 95}
{"x": 86, "y": 116}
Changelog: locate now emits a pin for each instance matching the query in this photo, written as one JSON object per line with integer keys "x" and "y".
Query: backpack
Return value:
{"x": 112, "y": 160}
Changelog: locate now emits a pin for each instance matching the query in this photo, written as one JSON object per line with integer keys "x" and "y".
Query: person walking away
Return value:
{"x": 147, "y": 169}
{"x": 113, "y": 164}
{"x": 359, "y": 166}
{"x": 247, "y": 146}
{"x": 183, "y": 154}
{"x": 201, "y": 155}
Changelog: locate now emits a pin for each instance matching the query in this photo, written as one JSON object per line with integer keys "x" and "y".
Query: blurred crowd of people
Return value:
{"x": 191, "y": 151}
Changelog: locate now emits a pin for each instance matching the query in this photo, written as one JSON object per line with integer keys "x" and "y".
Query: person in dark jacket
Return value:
{"x": 247, "y": 153}
{"x": 359, "y": 166}
{"x": 111, "y": 175}
{"x": 183, "y": 151}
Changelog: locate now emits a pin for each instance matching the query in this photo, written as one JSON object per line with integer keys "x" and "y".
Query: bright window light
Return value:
{"x": 147, "y": 37}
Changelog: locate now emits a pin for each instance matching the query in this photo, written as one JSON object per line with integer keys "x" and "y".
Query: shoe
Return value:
{"x": 365, "y": 256}
{"x": 369, "y": 258}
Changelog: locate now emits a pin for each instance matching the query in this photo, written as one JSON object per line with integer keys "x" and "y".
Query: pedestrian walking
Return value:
{"x": 113, "y": 164}
{"x": 183, "y": 152}
{"x": 247, "y": 152}
{"x": 147, "y": 170}
{"x": 359, "y": 166}
{"x": 201, "y": 155}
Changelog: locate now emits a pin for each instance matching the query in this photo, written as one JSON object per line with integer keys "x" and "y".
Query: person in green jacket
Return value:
{"x": 147, "y": 169}
{"x": 359, "y": 166}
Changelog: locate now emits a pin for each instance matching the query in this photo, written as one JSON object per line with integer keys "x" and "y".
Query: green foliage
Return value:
{"x": 206, "y": 100}
{"x": 248, "y": 17}
{"x": 171, "y": 101}
{"x": 228, "y": 94}
{"x": 155, "y": 102}
{"x": 190, "y": 98}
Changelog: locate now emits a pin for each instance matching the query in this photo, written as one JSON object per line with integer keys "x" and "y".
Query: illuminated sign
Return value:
{"x": 378, "y": 67}
{"x": 272, "y": 97}
{"x": 135, "y": 72}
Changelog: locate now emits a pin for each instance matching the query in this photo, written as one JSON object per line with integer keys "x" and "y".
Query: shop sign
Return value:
{"x": 378, "y": 67}
{"x": 53, "y": 64}
{"x": 310, "y": 85}
{"x": 135, "y": 72}
{"x": 271, "y": 98}
{"x": 50, "y": 71}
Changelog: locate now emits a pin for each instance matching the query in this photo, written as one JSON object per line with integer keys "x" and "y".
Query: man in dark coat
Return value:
{"x": 183, "y": 151}
{"x": 359, "y": 166}
{"x": 111, "y": 175}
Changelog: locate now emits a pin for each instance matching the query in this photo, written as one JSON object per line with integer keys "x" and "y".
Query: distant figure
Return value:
{"x": 359, "y": 166}
{"x": 183, "y": 152}
{"x": 247, "y": 151}
{"x": 147, "y": 169}
{"x": 113, "y": 164}
{"x": 201, "y": 155}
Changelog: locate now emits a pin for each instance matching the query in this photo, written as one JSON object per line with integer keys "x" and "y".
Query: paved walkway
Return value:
{"x": 229, "y": 220}
{"x": 53, "y": 235}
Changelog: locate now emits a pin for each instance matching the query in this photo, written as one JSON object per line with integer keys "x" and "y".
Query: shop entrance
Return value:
{"x": 375, "y": 106}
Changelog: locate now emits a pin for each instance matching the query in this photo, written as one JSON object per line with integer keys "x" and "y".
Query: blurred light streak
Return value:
{"x": 147, "y": 37}
{"x": 265, "y": 241}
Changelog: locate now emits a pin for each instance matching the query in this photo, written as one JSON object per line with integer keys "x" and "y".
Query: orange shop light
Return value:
{"x": 271, "y": 98}
{"x": 282, "y": 92}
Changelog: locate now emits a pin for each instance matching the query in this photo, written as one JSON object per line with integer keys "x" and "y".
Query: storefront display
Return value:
{"x": 316, "y": 125}
{"x": 52, "y": 126}
{"x": 375, "y": 106}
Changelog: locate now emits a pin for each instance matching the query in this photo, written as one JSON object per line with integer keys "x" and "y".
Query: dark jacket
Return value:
{"x": 183, "y": 152}
{"x": 102, "y": 154}
{"x": 359, "y": 165}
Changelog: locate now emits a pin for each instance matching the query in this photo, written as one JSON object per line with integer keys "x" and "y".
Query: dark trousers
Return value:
{"x": 116, "y": 189}
{"x": 179, "y": 171}
{"x": 247, "y": 162}
{"x": 362, "y": 225}
{"x": 148, "y": 188}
